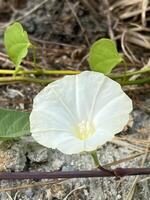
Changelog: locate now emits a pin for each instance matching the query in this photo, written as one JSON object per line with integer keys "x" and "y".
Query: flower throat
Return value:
{"x": 84, "y": 130}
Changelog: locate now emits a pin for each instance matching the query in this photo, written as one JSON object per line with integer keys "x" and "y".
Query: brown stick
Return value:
{"x": 119, "y": 172}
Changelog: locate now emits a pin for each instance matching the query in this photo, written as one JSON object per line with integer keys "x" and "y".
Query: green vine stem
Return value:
{"x": 135, "y": 82}
{"x": 34, "y": 56}
{"x": 71, "y": 72}
{"x": 97, "y": 163}
{"x": 125, "y": 69}
{"x": 95, "y": 158}
{"x": 20, "y": 76}
{"x": 10, "y": 79}
{"x": 129, "y": 73}
{"x": 41, "y": 72}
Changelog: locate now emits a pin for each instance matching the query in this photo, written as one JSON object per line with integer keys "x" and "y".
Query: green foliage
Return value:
{"x": 13, "y": 124}
{"x": 16, "y": 43}
{"x": 103, "y": 56}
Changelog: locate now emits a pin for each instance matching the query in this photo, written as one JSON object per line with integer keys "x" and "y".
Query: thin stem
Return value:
{"x": 120, "y": 172}
{"x": 24, "y": 79}
{"x": 41, "y": 72}
{"x": 125, "y": 69}
{"x": 10, "y": 79}
{"x": 34, "y": 56}
{"x": 97, "y": 163}
{"x": 95, "y": 158}
{"x": 129, "y": 73}
{"x": 70, "y": 72}
{"x": 135, "y": 82}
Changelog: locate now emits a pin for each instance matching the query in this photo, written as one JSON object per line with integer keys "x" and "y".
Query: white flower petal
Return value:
{"x": 99, "y": 138}
{"x": 115, "y": 114}
{"x": 63, "y": 141}
{"x": 43, "y": 120}
{"x": 71, "y": 146}
{"x": 79, "y": 112}
{"x": 51, "y": 139}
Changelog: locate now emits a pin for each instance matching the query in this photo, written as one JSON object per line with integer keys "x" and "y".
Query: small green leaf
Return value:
{"x": 103, "y": 56}
{"x": 16, "y": 43}
{"x": 13, "y": 124}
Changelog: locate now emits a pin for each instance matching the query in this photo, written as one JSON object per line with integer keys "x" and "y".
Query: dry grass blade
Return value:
{"x": 124, "y": 160}
{"x": 129, "y": 55}
{"x": 15, "y": 197}
{"x": 143, "y": 14}
{"x": 124, "y": 3}
{"x": 78, "y": 21}
{"x": 8, "y": 195}
{"x": 78, "y": 188}
{"x": 132, "y": 28}
{"x": 132, "y": 190}
{"x": 109, "y": 19}
{"x": 125, "y": 143}
{"x": 134, "y": 141}
{"x": 144, "y": 179}
{"x": 33, "y": 185}
{"x": 138, "y": 39}
{"x": 132, "y": 13}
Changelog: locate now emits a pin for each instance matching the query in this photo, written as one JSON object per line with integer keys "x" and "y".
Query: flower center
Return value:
{"x": 84, "y": 130}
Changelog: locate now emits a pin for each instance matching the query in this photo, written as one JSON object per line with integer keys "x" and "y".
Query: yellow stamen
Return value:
{"x": 84, "y": 130}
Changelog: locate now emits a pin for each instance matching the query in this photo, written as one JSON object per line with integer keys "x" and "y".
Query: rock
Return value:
{"x": 13, "y": 154}
{"x": 36, "y": 153}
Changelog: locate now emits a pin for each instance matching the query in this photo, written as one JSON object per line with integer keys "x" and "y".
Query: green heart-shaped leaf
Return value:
{"x": 16, "y": 43}
{"x": 103, "y": 56}
{"x": 13, "y": 124}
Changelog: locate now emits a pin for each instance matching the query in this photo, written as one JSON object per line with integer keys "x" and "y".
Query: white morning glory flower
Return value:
{"x": 79, "y": 112}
